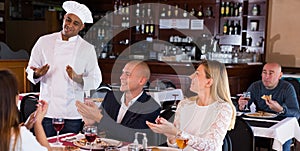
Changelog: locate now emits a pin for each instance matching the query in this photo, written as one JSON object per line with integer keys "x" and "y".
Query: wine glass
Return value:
{"x": 58, "y": 124}
{"x": 181, "y": 143}
{"x": 90, "y": 133}
{"x": 247, "y": 96}
{"x": 175, "y": 100}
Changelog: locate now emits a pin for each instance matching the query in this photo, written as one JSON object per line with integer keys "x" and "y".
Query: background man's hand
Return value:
{"x": 274, "y": 105}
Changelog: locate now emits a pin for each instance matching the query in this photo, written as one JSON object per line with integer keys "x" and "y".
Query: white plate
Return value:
{"x": 260, "y": 114}
{"x": 98, "y": 146}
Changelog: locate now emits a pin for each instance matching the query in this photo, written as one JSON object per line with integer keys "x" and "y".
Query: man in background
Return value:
{"x": 281, "y": 96}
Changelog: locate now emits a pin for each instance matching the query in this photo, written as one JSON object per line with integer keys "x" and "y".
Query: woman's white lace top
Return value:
{"x": 204, "y": 126}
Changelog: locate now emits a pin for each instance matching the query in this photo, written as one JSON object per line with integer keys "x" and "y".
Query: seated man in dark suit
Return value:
{"x": 126, "y": 112}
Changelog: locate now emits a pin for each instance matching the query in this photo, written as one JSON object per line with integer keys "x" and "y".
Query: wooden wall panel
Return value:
{"x": 18, "y": 67}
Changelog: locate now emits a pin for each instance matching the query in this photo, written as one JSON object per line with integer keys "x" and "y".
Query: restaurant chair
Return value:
{"x": 28, "y": 106}
{"x": 296, "y": 85}
{"x": 227, "y": 146}
{"x": 241, "y": 136}
{"x": 101, "y": 91}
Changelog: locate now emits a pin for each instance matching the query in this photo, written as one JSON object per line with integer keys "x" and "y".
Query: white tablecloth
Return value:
{"x": 284, "y": 130}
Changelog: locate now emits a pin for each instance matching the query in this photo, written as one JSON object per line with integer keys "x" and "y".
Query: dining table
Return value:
{"x": 68, "y": 143}
{"x": 278, "y": 128}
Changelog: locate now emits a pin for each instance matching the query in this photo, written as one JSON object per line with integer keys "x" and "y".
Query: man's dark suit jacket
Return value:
{"x": 144, "y": 109}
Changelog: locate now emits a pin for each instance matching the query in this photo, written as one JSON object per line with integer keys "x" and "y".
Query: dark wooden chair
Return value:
{"x": 241, "y": 136}
{"x": 227, "y": 146}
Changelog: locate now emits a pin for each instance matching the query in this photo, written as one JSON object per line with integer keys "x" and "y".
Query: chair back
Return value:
{"x": 296, "y": 85}
{"x": 227, "y": 146}
{"x": 28, "y": 106}
{"x": 241, "y": 136}
{"x": 101, "y": 91}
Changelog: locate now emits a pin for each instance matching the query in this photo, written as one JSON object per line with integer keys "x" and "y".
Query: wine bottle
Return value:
{"x": 208, "y": 12}
{"x": 137, "y": 10}
{"x": 169, "y": 14}
{"x": 200, "y": 14}
{"x": 185, "y": 10}
{"x": 236, "y": 9}
{"x": 163, "y": 13}
{"x": 231, "y": 28}
{"x": 227, "y": 9}
{"x": 231, "y": 9}
{"x": 255, "y": 10}
{"x": 237, "y": 28}
{"x": 137, "y": 27}
{"x": 222, "y": 11}
{"x": 176, "y": 11}
{"x": 225, "y": 28}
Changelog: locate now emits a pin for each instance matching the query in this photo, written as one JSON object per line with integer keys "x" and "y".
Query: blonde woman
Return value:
{"x": 15, "y": 137}
{"x": 203, "y": 120}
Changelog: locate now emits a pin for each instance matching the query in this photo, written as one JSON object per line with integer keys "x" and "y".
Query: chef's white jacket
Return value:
{"x": 55, "y": 86}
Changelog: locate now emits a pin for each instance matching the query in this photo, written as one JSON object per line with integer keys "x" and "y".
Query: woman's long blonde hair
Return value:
{"x": 9, "y": 114}
{"x": 220, "y": 87}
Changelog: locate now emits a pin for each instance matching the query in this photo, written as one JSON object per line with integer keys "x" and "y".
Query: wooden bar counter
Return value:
{"x": 240, "y": 75}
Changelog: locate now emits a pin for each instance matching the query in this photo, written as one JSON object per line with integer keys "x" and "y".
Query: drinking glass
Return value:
{"x": 58, "y": 124}
{"x": 181, "y": 143}
{"x": 90, "y": 133}
{"x": 247, "y": 96}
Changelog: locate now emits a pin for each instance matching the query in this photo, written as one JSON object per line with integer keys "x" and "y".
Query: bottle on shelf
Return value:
{"x": 227, "y": 9}
{"x": 151, "y": 28}
{"x": 116, "y": 7}
{"x": 231, "y": 28}
{"x": 225, "y": 27}
{"x": 222, "y": 10}
{"x": 137, "y": 10}
{"x": 236, "y": 9}
{"x": 185, "y": 13}
{"x": 149, "y": 10}
{"x": 163, "y": 13}
{"x": 200, "y": 11}
{"x": 147, "y": 26}
{"x": 209, "y": 12}
{"x": 137, "y": 27}
{"x": 192, "y": 12}
{"x": 176, "y": 11}
{"x": 255, "y": 10}
{"x": 169, "y": 12}
{"x": 237, "y": 28}
{"x": 127, "y": 9}
{"x": 240, "y": 9}
{"x": 142, "y": 27}
{"x": 231, "y": 9}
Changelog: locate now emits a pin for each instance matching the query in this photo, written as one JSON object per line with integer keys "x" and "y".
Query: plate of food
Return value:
{"x": 261, "y": 114}
{"x": 99, "y": 143}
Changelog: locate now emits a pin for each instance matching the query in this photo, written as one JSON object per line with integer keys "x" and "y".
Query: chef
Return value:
{"x": 66, "y": 66}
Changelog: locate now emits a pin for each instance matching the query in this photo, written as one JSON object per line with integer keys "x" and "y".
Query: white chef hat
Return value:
{"x": 80, "y": 10}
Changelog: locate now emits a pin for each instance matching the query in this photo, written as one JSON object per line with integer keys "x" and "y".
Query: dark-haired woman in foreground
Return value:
{"x": 15, "y": 137}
